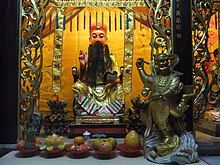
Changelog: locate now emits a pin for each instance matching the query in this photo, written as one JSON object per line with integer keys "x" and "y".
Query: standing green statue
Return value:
{"x": 166, "y": 106}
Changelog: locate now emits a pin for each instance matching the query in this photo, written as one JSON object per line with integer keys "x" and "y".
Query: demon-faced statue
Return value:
{"x": 165, "y": 138}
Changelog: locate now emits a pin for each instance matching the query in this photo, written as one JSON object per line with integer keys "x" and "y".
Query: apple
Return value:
{"x": 96, "y": 143}
{"x": 37, "y": 142}
{"x": 20, "y": 144}
{"x": 113, "y": 142}
{"x": 105, "y": 146}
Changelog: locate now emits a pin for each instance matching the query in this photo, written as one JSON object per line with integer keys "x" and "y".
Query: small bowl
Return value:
{"x": 74, "y": 153}
{"x": 105, "y": 154}
{"x": 78, "y": 154}
{"x": 54, "y": 153}
{"x": 128, "y": 152}
{"x": 28, "y": 153}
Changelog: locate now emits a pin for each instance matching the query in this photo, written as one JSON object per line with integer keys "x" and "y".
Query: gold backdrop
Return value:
{"x": 76, "y": 38}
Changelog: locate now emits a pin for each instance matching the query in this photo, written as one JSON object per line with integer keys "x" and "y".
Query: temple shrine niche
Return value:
{"x": 66, "y": 32}
{"x": 67, "y": 81}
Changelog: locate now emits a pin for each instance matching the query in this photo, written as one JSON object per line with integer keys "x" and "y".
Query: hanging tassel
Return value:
{"x": 50, "y": 21}
{"x": 90, "y": 20}
{"x": 134, "y": 21}
{"x": 140, "y": 21}
{"x": 84, "y": 20}
{"x": 120, "y": 21}
{"x": 109, "y": 21}
{"x": 71, "y": 22}
{"x": 147, "y": 21}
{"x": 102, "y": 19}
{"x": 64, "y": 21}
{"x": 127, "y": 23}
{"x": 57, "y": 23}
{"x": 115, "y": 22}
{"x": 96, "y": 18}
{"x": 77, "y": 22}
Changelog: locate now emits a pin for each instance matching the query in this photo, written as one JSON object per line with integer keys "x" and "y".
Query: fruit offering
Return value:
{"x": 105, "y": 145}
{"x": 132, "y": 140}
{"x": 31, "y": 142}
{"x": 54, "y": 142}
{"x": 79, "y": 145}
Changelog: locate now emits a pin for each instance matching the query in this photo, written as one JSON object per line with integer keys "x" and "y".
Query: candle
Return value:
{"x": 57, "y": 98}
{"x": 38, "y": 104}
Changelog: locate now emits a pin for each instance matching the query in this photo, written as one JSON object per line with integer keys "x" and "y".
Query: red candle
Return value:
{"x": 57, "y": 98}
{"x": 38, "y": 104}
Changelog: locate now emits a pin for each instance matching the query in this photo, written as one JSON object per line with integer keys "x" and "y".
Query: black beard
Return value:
{"x": 98, "y": 61}
{"x": 96, "y": 53}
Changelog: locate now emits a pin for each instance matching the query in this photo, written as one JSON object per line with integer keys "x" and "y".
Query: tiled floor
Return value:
{"x": 211, "y": 160}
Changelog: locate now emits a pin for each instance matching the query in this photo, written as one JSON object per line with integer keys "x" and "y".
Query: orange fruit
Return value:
{"x": 78, "y": 140}
{"x": 82, "y": 147}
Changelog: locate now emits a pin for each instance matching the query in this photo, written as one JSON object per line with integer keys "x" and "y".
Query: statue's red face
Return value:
{"x": 98, "y": 35}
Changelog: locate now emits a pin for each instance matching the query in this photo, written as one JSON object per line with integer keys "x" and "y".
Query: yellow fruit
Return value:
{"x": 61, "y": 146}
{"x": 86, "y": 143}
{"x": 48, "y": 141}
{"x": 50, "y": 148}
{"x": 105, "y": 146}
{"x": 53, "y": 141}
{"x": 113, "y": 142}
{"x": 132, "y": 140}
{"x": 78, "y": 140}
{"x": 96, "y": 143}
{"x": 58, "y": 140}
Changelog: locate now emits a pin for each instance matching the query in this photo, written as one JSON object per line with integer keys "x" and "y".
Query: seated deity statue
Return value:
{"x": 167, "y": 102}
{"x": 97, "y": 86}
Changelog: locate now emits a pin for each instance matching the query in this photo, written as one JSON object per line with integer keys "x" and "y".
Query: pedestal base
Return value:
{"x": 98, "y": 130}
{"x": 209, "y": 127}
{"x": 97, "y": 120}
